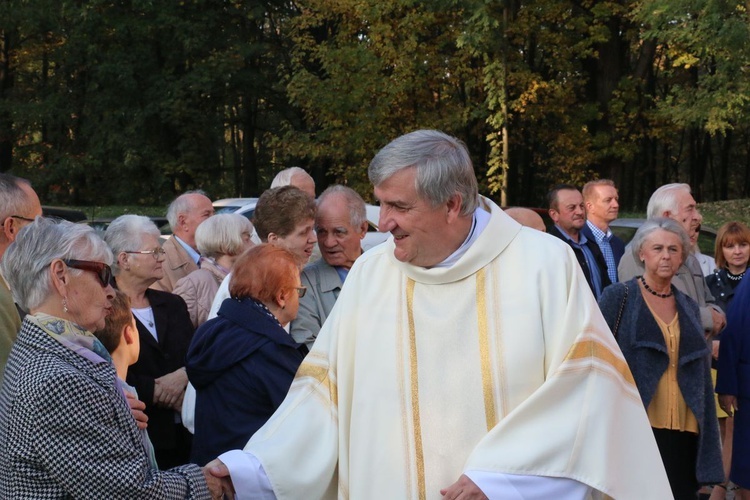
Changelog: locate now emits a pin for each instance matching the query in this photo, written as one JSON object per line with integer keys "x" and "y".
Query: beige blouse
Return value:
{"x": 668, "y": 409}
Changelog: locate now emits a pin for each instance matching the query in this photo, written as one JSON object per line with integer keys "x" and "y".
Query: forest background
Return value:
{"x": 133, "y": 101}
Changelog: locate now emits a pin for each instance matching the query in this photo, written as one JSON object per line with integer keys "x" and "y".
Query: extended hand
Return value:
{"x": 136, "y": 408}
{"x": 217, "y": 473}
{"x": 463, "y": 489}
{"x": 170, "y": 389}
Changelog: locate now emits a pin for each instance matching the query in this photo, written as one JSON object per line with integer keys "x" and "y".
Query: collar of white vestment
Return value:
{"x": 493, "y": 232}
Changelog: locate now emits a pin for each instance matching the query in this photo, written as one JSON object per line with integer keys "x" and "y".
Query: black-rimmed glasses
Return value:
{"x": 301, "y": 291}
{"x": 156, "y": 252}
{"x": 102, "y": 270}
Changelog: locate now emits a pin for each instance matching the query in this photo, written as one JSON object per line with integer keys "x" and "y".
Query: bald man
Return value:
{"x": 527, "y": 217}
{"x": 295, "y": 176}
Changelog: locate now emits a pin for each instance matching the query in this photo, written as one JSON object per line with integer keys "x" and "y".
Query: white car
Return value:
{"x": 246, "y": 207}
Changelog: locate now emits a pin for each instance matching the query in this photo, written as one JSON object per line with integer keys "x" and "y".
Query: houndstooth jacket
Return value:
{"x": 66, "y": 431}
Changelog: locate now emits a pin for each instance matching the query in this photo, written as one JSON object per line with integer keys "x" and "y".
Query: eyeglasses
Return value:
{"x": 21, "y": 217}
{"x": 156, "y": 252}
{"x": 301, "y": 291}
{"x": 102, "y": 270}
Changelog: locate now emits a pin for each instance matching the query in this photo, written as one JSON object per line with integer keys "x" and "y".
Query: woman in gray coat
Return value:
{"x": 659, "y": 331}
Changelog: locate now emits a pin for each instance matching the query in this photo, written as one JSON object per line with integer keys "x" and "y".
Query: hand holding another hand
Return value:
{"x": 463, "y": 489}
{"x": 218, "y": 480}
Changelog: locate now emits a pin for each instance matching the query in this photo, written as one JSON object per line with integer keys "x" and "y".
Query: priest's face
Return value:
{"x": 418, "y": 227}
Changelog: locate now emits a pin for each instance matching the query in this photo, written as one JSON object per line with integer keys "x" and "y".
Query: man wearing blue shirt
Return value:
{"x": 602, "y": 208}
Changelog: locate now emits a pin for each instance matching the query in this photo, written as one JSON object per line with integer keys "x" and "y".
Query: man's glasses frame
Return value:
{"x": 21, "y": 217}
{"x": 156, "y": 252}
{"x": 102, "y": 270}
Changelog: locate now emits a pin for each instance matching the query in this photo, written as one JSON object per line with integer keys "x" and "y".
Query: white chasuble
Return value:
{"x": 501, "y": 363}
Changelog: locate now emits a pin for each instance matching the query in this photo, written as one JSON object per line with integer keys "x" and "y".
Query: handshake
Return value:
{"x": 218, "y": 480}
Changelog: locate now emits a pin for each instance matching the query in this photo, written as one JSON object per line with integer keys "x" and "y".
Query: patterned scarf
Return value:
{"x": 72, "y": 336}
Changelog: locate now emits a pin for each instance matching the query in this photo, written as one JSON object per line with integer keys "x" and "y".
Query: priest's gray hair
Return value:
{"x": 181, "y": 205}
{"x": 355, "y": 203}
{"x": 443, "y": 167}
{"x": 284, "y": 178}
{"x": 665, "y": 199}
{"x": 222, "y": 235}
{"x": 654, "y": 224}
{"x": 26, "y": 262}
{"x": 126, "y": 234}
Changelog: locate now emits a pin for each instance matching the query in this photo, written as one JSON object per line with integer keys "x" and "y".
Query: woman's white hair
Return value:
{"x": 656, "y": 223}
{"x": 443, "y": 167}
{"x": 222, "y": 235}
{"x": 26, "y": 262}
{"x": 126, "y": 234}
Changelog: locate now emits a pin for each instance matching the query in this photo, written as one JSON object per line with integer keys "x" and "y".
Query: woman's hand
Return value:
{"x": 169, "y": 389}
{"x": 136, "y": 409}
{"x": 728, "y": 403}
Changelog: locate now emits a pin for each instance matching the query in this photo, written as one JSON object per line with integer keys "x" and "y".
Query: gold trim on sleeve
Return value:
{"x": 593, "y": 349}
{"x": 319, "y": 374}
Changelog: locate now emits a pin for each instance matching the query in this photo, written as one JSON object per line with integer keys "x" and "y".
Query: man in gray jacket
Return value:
{"x": 676, "y": 202}
{"x": 340, "y": 223}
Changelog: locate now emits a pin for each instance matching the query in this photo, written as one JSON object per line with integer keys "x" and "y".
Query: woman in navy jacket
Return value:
{"x": 733, "y": 383}
{"x": 243, "y": 361}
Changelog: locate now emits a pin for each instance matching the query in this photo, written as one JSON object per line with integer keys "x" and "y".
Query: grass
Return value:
{"x": 715, "y": 214}
{"x": 112, "y": 211}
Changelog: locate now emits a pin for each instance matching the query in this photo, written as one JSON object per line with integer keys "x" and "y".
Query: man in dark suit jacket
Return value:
{"x": 602, "y": 207}
{"x": 567, "y": 210}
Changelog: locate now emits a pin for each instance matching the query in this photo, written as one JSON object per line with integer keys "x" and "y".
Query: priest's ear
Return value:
{"x": 453, "y": 206}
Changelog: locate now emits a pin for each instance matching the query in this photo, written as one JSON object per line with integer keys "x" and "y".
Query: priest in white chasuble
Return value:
{"x": 465, "y": 358}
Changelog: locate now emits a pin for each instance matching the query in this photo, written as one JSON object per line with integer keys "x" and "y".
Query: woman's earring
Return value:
{"x": 65, "y": 304}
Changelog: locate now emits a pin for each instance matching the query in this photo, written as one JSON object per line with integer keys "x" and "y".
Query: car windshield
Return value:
{"x": 229, "y": 209}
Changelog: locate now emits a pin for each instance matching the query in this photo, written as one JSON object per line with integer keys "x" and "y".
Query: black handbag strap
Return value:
{"x": 619, "y": 314}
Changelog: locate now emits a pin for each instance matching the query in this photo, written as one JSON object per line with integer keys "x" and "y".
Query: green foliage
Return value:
{"x": 133, "y": 101}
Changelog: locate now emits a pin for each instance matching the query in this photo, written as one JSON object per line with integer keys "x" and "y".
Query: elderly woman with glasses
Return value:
{"x": 243, "y": 361}
{"x": 220, "y": 240}
{"x": 164, "y": 331}
{"x": 65, "y": 428}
